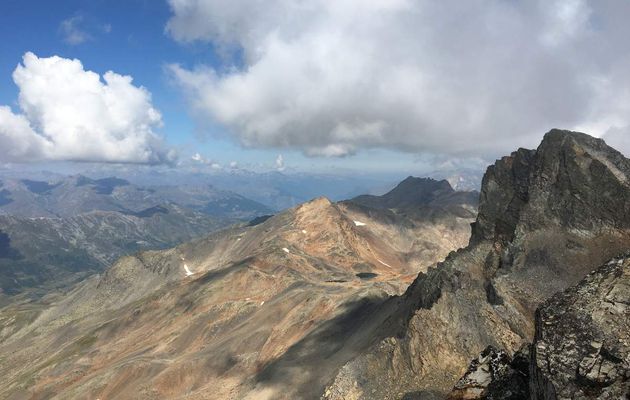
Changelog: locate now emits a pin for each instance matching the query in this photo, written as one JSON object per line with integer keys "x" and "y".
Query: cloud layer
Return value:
{"x": 68, "y": 113}
{"x": 477, "y": 77}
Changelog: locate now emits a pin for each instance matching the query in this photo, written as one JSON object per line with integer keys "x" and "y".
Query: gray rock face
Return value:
{"x": 547, "y": 217}
{"x": 581, "y": 347}
{"x": 582, "y": 344}
{"x": 572, "y": 180}
{"x": 504, "y": 192}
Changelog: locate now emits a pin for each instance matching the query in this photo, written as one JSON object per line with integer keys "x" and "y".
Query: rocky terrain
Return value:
{"x": 265, "y": 311}
{"x": 581, "y": 346}
{"x": 547, "y": 217}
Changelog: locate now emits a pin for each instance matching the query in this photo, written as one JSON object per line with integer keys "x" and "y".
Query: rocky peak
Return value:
{"x": 315, "y": 205}
{"x": 504, "y": 192}
{"x": 494, "y": 375}
{"x": 571, "y": 180}
{"x": 546, "y": 218}
{"x": 422, "y": 186}
{"x": 414, "y": 190}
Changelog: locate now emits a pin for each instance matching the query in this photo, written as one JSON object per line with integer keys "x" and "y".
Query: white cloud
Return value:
{"x": 478, "y": 77}
{"x": 198, "y": 158}
{"x": 68, "y": 113}
{"x": 280, "y": 163}
{"x": 72, "y": 31}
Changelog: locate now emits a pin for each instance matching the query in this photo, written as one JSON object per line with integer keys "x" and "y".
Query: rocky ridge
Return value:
{"x": 546, "y": 218}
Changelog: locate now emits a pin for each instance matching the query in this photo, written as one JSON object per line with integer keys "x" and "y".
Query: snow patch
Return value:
{"x": 188, "y": 272}
{"x": 359, "y": 223}
{"x": 262, "y": 302}
{"x": 303, "y": 231}
{"x": 385, "y": 264}
{"x": 286, "y": 250}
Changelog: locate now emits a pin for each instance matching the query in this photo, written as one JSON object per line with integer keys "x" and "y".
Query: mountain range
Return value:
{"x": 55, "y": 233}
{"x": 78, "y": 194}
{"x": 220, "y": 316}
{"x": 517, "y": 292}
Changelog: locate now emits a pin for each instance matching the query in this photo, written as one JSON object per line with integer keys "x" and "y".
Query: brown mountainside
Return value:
{"x": 265, "y": 311}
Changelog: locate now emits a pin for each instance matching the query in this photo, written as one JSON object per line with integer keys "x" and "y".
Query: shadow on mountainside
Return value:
{"x": 309, "y": 365}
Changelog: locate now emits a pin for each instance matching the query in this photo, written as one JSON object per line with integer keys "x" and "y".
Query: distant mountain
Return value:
{"x": 39, "y": 254}
{"x": 419, "y": 192}
{"x": 268, "y": 310}
{"x": 281, "y": 190}
{"x": 276, "y": 190}
{"x": 55, "y": 233}
{"x": 75, "y": 195}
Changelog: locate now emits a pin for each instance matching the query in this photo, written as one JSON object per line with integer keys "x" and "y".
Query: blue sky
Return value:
{"x": 363, "y": 85}
{"x": 128, "y": 37}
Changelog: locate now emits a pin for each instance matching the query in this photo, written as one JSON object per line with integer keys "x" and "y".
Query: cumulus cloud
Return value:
{"x": 68, "y": 113}
{"x": 477, "y": 77}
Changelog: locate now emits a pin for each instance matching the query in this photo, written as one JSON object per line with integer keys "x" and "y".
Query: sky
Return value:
{"x": 319, "y": 85}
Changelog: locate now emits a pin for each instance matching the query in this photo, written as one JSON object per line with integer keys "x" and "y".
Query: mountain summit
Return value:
{"x": 410, "y": 192}
{"x": 546, "y": 218}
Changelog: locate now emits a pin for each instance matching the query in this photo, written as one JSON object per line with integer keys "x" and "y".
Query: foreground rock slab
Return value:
{"x": 582, "y": 344}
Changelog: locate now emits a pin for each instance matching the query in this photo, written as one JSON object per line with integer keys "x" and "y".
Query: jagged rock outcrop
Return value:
{"x": 582, "y": 344}
{"x": 581, "y": 347}
{"x": 494, "y": 375}
{"x": 546, "y": 218}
